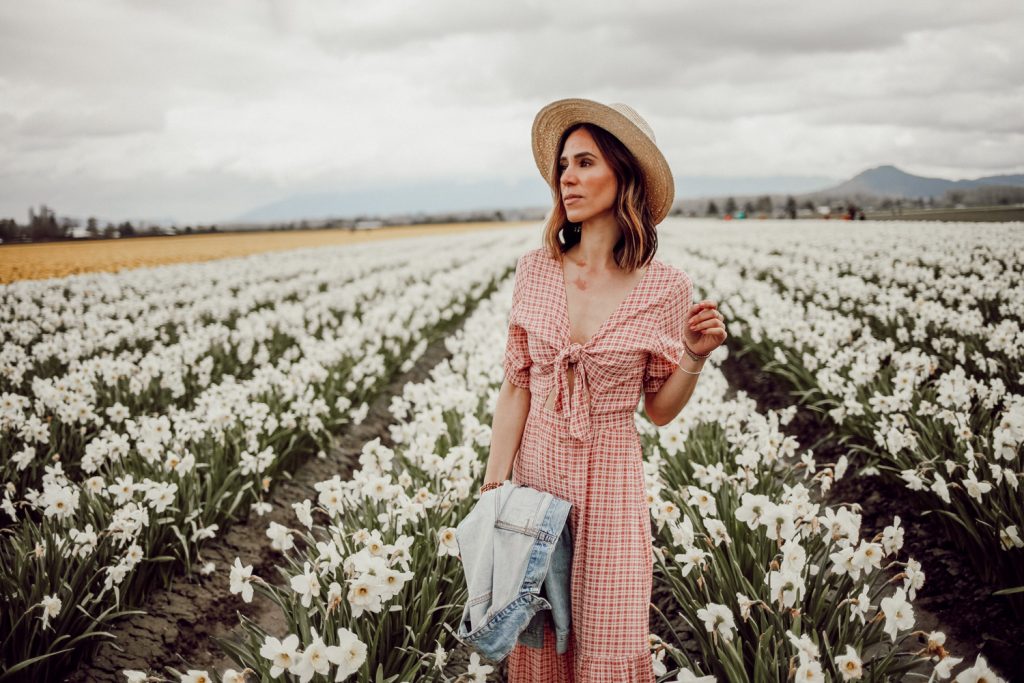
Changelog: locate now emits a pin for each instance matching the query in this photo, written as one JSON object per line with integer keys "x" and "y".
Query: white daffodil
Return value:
{"x": 859, "y": 605}
{"x": 364, "y": 595}
{"x": 842, "y": 563}
{"x": 306, "y": 584}
{"x": 746, "y": 604}
{"x": 914, "y": 579}
{"x": 867, "y": 555}
{"x": 205, "y": 532}
{"x": 804, "y": 645}
{"x": 976, "y": 489}
{"x": 350, "y": 655}
{"x": 304, "y": 513}
{"x": 51, "y": 605}
{"x": 912, "y": 478}
{"x": 692, "y": 557}
{"x": 839, "y": 525}
{"x": 283, "y": 654}
{"x": 447, "y": 543}
{"x": 440, "y": 656}
{"x": 794, "y": 556}
{"x": 667, "y": 511}
{"x": 314, "y": 659}
{"x": 717, "y": 531}
{"x": 682, "y": 533}
{"x": 849, "y": 664}
{"x": 786, "y": 587}
{"x": 477, "y": 670}
{"x": 899, "y": 614}
{"x": 892, "y": 537}
{"x": 241, "y": 580}
{"x": 392, "y": 581}
{"x": 704, "y": 501}
{"x": 1009, "y": 537}
{"x": 718, "y": 618}
{"x": 280, "y": 537}
{"x": 778, "y": 522}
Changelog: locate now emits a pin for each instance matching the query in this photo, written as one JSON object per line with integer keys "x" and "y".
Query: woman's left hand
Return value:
{"x": 704, "y": 330}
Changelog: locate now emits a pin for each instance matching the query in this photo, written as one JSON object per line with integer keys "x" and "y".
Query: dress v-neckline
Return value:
{"x": 567, "y": 323}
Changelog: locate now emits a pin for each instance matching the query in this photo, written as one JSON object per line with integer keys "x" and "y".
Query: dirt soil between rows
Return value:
{"x": 952, "y": 599}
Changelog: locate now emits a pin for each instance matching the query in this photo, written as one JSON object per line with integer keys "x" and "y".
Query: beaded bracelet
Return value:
{"x": 694, "y": 355}
{"x": 491, "y": 485}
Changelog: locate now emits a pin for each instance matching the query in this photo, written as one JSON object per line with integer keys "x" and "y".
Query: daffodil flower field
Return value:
{"x": 145, "y": 412}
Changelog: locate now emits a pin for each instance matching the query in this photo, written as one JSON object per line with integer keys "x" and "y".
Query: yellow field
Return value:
{"x": 37, "y": 261}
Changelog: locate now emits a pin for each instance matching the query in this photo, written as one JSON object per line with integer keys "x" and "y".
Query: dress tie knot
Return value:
{"x": 577, "y": 407}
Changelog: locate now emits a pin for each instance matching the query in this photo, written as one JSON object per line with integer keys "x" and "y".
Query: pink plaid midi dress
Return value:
{"x": 581, "y": 444}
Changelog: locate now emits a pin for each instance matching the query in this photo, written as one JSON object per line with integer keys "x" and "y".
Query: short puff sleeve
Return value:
{"x": 517, "y": 353}
{"x": 667, "y": 341}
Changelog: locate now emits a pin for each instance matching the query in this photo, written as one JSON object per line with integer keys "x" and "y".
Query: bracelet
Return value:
{"x": 694, "y": 355}
{"x": 688, "y": 372}
{"x": 491, "y": 485}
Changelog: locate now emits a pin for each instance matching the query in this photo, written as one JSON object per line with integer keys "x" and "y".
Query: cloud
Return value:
{"x": 205, "y": 110}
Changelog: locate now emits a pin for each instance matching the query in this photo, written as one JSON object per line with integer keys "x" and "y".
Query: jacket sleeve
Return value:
{"x": 667, "y": 342}
{"x": 517, "y": 352}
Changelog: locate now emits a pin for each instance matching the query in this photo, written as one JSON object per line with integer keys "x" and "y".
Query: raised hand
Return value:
{"x": 705, "y": 327}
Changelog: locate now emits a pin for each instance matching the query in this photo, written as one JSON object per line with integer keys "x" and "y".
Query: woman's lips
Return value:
{"x": 572, "y": 199}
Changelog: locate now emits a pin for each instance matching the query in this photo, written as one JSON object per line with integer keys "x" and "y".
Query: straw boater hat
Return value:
{"x": 624, "y": 123}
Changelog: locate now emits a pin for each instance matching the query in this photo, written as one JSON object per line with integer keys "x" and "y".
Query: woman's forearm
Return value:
{"x": 675, "y": 393}
{"x": 507, "y": 426}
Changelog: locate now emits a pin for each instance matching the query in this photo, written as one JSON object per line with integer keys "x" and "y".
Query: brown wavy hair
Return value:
{"x": 639, "y": 240}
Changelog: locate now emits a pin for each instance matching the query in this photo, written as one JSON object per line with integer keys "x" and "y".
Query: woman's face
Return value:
{"x": 586, "y": 175}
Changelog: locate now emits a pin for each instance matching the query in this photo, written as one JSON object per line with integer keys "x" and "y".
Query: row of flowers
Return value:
{"x": 931, "y": 405}
{"x": 190, "y": 346}
{"x": 120, "y": 509}
{"x": 772, "y": 583}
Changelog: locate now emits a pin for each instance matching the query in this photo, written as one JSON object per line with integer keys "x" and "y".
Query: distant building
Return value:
{"x": 368, "y": 224}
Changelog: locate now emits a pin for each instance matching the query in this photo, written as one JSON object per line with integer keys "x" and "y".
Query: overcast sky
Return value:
{"x": 202, "y": 111}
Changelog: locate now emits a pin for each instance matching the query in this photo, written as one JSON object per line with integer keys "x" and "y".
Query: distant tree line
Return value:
{"x": 762, "y": 207}
{"x": 815, "y": 206}
{"x": 45, "y": 226}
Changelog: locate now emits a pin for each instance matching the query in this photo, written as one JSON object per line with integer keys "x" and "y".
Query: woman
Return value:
{"x": 586, "y": 334}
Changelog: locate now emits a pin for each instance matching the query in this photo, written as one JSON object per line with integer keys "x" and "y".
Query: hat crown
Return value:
{"x": 634, "y": 118}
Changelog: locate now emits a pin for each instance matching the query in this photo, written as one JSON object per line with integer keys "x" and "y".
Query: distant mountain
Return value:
{"x": 889, "y": 181}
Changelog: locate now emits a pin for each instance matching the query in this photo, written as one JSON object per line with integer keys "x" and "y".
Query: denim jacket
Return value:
{"x": 516, "y": 552}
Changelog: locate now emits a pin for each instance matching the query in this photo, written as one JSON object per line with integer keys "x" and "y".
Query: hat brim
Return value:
{"x": 555, "y": 118}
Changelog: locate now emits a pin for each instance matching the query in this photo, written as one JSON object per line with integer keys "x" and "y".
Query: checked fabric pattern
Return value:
{"x": 584, "y": 447}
